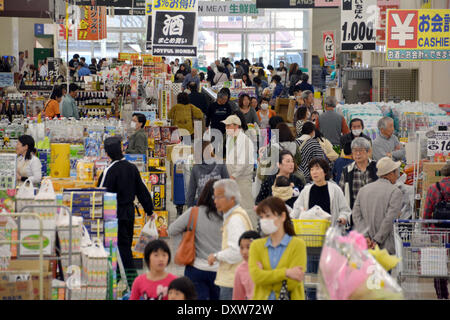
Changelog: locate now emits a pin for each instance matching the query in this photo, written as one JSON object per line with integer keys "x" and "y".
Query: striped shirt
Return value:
{"x": 310, "y": 150}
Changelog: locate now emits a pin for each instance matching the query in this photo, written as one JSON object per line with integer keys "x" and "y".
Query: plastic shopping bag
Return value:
{"x": 314, "y": 213}
{"x": 149, "y": 233}
{"x": 25, "y": 195}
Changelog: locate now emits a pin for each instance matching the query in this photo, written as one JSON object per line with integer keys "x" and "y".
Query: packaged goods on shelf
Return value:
{"x": 8, "y": 200}
{"x": 8, "y": 232}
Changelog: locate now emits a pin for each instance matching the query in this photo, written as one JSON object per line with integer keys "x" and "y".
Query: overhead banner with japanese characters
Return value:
{"x": 329, "y": 48}
{"x": 234, "y": 8}
{"x": 358, "y": 19}
{"x": 93, "y": 23}
{"x": 383, "y": 6}
{"x": 418, "y": 35}
{"x": 174, "y": 28}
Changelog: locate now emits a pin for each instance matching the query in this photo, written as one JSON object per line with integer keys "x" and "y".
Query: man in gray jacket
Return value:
{"x": 377, "y": 205}
{"x": 387, "y": 144}
{"x": 69, "y": 107}
{"x": 332, "y": 124}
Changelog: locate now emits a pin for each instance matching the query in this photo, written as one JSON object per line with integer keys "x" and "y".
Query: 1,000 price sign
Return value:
{"x": 358, "y": 18}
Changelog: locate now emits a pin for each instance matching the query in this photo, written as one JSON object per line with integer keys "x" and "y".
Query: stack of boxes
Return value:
{"x": 98, "y": 210}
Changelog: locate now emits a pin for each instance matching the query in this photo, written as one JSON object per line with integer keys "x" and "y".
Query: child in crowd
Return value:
{"x": 243, "y": 284}
{"x": 154, "y": 284}
{"x": 284, "y": 190}
{"x": 182, "y": 289}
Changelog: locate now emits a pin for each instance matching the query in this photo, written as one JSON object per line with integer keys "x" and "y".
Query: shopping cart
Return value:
{"x": 425, "y": 254}
{"x": 313, "y": 233}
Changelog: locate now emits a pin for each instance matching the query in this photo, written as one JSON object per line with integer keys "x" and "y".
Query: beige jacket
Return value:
{"x": 226, "y": 271}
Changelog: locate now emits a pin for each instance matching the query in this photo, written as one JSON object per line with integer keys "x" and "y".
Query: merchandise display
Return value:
{"x": 95, "y": 97}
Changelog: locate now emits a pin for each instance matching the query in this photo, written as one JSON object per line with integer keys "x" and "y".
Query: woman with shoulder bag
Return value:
{"x": 208, "y": 238}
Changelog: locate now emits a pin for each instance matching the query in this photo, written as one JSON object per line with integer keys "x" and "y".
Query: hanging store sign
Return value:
{"x": 329, "y": 48}
{"x": 383, "y": 7}
{"x": 93, "y": 23}
{"x": 418, "y": 35}
{"x": 234, "y": 8}
{"x": 358, "y": 19}
{"x": 440, "y": 143}
{"x": 327, "y": 3}
{"x": 112, "y": 3}
{"x": 286, "y": 4}
{"x": 129, "y": 12}
{"x": 174, "y": 28}
{"x": 283, "y": 4}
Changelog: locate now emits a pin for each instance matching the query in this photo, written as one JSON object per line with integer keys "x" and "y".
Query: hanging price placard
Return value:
{"x": 358, "y": 18}
{"x": 440, "y": 143}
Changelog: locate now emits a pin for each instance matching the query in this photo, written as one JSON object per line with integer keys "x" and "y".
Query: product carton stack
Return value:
{"x": 99, "y": 212}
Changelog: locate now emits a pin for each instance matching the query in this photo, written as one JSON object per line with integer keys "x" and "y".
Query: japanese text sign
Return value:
{"x": 329, "y": 48}
{"x": 418, "y": 35}
{"x": 174, "y": 32}
{"x": 358, "y": 18}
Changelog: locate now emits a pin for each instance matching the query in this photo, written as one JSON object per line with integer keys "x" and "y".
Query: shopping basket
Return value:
{"x": 311, "y": 231}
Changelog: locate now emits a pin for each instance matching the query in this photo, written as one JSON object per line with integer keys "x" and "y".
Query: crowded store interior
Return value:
{"x": 224, "y": 150}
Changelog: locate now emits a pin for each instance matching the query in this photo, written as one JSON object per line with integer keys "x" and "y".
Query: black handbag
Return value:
{"x": 442, "y": 210}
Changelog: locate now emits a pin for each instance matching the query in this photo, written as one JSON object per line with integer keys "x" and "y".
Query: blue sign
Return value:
{"x": 38, "y": 29}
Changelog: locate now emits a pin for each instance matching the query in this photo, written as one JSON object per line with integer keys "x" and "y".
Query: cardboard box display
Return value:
{"x": 282, "y": 107}
{"x": 10, "y": 289}
{"x": 88, "y": 212}
{"x": 32, "y": 267}
{"x": 83, "y": 199}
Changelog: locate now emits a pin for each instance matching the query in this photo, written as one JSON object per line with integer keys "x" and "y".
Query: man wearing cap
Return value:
{"x": 240, "y": 162}
{"x": 123, "y": 178}
{"x": 378, "y": 204}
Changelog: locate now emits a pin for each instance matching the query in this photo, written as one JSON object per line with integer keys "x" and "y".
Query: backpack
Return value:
{"x": 442, "y": 210}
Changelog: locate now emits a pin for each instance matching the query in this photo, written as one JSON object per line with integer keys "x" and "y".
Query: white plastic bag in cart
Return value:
{"x": 314, "y": 213}
{"x": 149, "y": 233}
{"x": 46, "y": 192}
{"x": 46, "y": 197}
{"x": 25, "y": 195}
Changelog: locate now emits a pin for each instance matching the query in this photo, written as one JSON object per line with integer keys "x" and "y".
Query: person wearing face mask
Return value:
{"x": 264, "y": 114}
{"x": 240, "y": 162}
{"x": 378, "y": 204}
{"x": 323, "y": 193}
{"x": 138, "y": 142}
{"x": 277, "y": 263}
{"x": 356, "y": 127}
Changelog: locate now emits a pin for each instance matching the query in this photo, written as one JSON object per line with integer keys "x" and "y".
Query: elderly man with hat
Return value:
{"x": 240, "y": 162}
{"x": 378, "y": 204}
{"x": 123, "y": 178}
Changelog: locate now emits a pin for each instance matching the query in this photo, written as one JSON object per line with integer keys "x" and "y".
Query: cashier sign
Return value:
{"x": 418, "y": 35}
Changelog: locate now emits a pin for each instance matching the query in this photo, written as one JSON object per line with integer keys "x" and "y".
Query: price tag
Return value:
{"x": 440, "y": 143}
{"x": 358, "y": 19}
